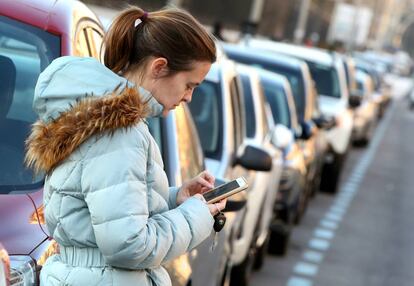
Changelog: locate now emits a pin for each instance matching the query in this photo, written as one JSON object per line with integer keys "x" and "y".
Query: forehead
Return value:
{"x": 198, "y": 71}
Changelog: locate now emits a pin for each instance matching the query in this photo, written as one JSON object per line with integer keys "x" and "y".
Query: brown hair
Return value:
{"x": 170, "y": 33}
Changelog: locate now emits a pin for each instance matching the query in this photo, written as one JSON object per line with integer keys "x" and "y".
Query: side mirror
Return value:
{"x": 254, "y": 158}
{"x": 234, "y": 203}
{"x": 282, "y": 137}
{"x": 324, "y": 122}
{"x": 355, "y": 99}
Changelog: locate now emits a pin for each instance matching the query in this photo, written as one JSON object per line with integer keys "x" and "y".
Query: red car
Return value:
{"x": 31, "y": 36}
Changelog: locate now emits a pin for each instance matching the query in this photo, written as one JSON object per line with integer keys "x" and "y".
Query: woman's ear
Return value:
{"x": 159, "y": 67}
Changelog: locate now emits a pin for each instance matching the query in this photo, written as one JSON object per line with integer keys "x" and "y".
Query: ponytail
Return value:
{"x": 119, "y": 41}
{"x": 170, "y": 33}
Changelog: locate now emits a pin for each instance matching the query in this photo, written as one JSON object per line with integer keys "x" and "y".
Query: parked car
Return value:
{"x": 261, "y": 131}
{"x": 361, "y": 100}
{"x": 366, "y": 111}
{"x": 177, "y": 139}
{"x": 299, "y": 77}
{"x": 4, "y": 267}
{"x": 382, "y": 90}
{"x": 328, "y": 74}
{"x": 219, "y": 114}
{"x": 31, "y": 36}
{"x": 291, "y": 200}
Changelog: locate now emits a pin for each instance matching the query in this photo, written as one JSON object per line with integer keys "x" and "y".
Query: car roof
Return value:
{"x": 305, "y": 53}
{"x": 268, "y": 56}
{"x": 272, "y": 76}
{"x": 54, "y": 16}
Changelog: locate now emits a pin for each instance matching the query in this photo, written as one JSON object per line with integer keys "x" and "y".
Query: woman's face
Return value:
{"x": 171, "y": 90}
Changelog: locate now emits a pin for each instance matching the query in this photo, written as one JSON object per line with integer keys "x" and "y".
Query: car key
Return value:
{"x": 219, "y": 222}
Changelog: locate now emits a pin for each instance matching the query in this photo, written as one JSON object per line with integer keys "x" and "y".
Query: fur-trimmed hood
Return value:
{"x": 76, "y": 98}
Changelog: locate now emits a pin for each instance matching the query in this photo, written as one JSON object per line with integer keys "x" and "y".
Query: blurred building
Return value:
{"x": 369, "y": 23}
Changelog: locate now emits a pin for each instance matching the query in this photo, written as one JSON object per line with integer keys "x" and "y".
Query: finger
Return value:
{"x": 208, "y": 177}
{"x": 222, "y": 204}
{"x": 204, "y": 183}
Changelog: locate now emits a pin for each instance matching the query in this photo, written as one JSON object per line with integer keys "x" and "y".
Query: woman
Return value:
{"x": 106, "y": 196}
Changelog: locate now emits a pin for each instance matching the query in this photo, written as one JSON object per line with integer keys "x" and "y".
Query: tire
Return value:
{"x": 279, "y": 240}
{"x": 261, "y": 254}
{"x": 301, "y": 206}
{"x": 331, "y": 174}
{"x": 240, "y": 274}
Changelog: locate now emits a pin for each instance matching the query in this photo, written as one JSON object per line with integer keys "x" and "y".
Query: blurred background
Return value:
{"x": 348, "y": 25}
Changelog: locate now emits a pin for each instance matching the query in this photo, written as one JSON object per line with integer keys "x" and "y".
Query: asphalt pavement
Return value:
{"x": 364, "y": 235}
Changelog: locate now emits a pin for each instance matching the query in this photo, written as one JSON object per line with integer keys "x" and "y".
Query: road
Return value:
{"x": 363, "y": 235}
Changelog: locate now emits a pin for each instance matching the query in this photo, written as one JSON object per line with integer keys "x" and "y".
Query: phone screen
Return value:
{"x": 221, "y": 190}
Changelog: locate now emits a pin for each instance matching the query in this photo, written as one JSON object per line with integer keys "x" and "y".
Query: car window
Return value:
{"x": 276, "y": 98}
{"x": 94, "y": 41}
{"x": 248, "y": 106}
{"x": 326, "y": 79}
{"x": 205, "y": 108}
{"x": 190, "y": 156}
{"x": 294, "y": 77}
{"x": 24, "y": 52}
{"x": 237, "y": 104}
{"x": 81, "y": 47}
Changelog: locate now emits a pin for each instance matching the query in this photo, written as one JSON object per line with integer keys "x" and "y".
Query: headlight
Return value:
{"x": 22, "y": 271}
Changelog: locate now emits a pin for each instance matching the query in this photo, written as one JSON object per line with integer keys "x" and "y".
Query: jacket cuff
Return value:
{"x": 200, "y": 219}
{"x": 172, "y": 200}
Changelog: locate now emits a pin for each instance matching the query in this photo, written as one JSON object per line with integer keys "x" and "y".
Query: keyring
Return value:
{"x": 217, "y": 208}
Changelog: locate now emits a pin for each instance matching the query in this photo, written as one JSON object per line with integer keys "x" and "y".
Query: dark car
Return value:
{"x": 31, "y": 37}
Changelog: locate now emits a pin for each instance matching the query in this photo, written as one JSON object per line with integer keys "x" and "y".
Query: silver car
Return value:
{"x": 219, "y": 113}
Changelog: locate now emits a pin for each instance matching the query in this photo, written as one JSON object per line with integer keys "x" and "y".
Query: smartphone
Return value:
{"x": 225, "y": 190}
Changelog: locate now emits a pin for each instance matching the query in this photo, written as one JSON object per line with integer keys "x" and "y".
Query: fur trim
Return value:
{"x": 51, "y": 143}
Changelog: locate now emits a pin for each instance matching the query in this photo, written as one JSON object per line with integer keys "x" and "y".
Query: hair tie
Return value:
{"x": 144, "y": 16}
{"x": 141, "y": 19}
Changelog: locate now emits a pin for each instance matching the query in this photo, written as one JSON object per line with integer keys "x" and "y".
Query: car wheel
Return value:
{"x": 301, "y": 206}
{"x": 279, "y": 240}
{"x": 261, "y": 254}
{"x": 240, "y": 274}
{"x": 331, "y": 174}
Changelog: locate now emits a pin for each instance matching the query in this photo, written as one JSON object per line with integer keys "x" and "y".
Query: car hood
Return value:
{"x": 19, "y": 233}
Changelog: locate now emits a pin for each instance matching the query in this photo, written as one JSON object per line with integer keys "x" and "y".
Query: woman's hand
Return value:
{"x": 197, "y": 185}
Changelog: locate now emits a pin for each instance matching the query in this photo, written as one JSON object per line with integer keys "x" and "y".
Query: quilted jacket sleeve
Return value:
{"x": 113, "y": 181}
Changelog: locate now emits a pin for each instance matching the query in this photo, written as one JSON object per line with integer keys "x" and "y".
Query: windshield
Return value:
{"x": 24, "y": 52}
{"x": 276, "y": 98}
{"x": 297, "y": 85}
{"x": 205, "y": 108}
{"x": 326, "y": 79}
{"x": 293, "y": 76}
